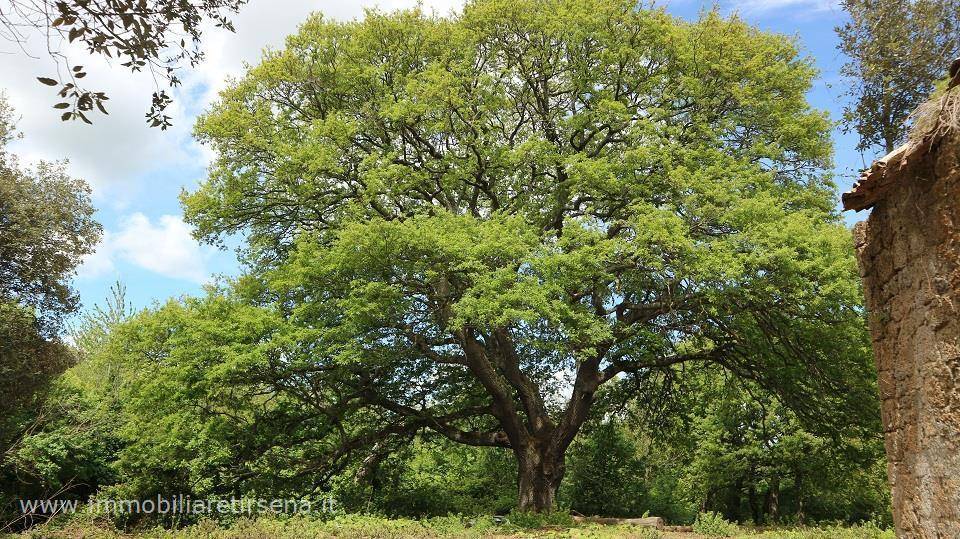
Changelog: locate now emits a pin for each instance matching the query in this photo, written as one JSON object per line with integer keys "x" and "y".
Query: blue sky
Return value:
{"x": 137, "y": 173}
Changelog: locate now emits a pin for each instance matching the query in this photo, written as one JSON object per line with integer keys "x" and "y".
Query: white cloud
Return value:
{"x": 266, "y": 24}
{"x": 116, "y": 153}
{"x": 165, "y": 248}
{"x": 98, "y": 263}
{"x": 118, "y": 148}
{"x": 797, "y": 7}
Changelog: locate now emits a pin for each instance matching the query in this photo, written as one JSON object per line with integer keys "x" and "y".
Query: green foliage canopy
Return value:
{"x": 469, "y": 224}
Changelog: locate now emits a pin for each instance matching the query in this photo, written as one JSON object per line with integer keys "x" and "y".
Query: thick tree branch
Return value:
{"x": 441, "y": 424}
{"x": 585, "y": 386}
{"x": 617, "y": 367}
{"x": 533, "y": 404}
{"x": 504, "y": 408}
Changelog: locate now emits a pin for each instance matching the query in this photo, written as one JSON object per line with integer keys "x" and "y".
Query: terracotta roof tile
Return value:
{"x": 875, "y": 182}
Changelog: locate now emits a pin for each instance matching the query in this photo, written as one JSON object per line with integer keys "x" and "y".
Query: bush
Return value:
{"x": 606, "y": 473}
{"x": 353, "y": 526}
{"x": 434, "y": 477}
{"x": 869, "y": 530}
{"x": 711, "y": 523}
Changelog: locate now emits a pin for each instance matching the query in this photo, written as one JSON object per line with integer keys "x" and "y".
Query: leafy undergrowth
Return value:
{"x": 714, "y": 525}
{"x": 344, "y": 526}
{"x": 866, "y": 531}
{"x": 361, "y": 526}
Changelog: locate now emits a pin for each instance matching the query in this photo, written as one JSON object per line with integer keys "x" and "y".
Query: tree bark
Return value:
{"x": 539, "y": 472}
{"x": 773, "y": 500}
{"x": 756, "y": 510}
{"x": 798, "y": 485}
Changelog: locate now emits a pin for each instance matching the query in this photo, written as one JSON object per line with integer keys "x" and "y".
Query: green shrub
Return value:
{"x": 434, "y": 477}
{"x": 868, "y": 530}
{"x": 711, "y": 523}
{"x": 606, "y": 472}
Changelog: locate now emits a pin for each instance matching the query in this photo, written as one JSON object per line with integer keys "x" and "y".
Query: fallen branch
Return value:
{"x": 646, "y": 522}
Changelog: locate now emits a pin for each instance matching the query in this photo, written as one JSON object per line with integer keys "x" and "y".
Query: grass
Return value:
{"x": 344, "y": 526}
{"x": 865, "y": 531}
{"x": 362, "y": 526}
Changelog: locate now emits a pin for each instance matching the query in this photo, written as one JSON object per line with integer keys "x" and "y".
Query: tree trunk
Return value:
{"x": 756, "y": 510}
{"x": 734, "y": 501}
{"x": 539, "y": 473}
{"x": 773, "y": 499}
{"x": 798, "y": 485}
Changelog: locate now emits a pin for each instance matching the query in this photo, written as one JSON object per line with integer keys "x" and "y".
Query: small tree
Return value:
{"x": 897, "y": 51}
{"x": 469, "y": 225}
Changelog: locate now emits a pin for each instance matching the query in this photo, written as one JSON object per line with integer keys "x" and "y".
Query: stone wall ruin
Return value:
{"x": 909, "y": 255}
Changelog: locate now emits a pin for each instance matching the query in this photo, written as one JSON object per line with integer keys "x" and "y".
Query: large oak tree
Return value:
{"x": 471, "y": 225}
